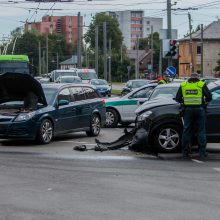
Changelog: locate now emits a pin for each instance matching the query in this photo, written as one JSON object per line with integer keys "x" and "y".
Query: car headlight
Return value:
{"x": 143, "y": 116}
{"x": 25, "y": 116}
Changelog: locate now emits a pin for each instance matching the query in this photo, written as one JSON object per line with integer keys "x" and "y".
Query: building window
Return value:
{"x": 148, "y": 29}
{"x": 198, "y": 49}
{"x": 148, "y": 22}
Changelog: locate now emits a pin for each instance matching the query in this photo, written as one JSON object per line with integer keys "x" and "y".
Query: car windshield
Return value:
{"x": 166, "y": 92}
{"x": 137, "y": 84}
{"x": 70, "y": 80}
{"x": 99, "y": 82}
{"x": 50, "y": 94}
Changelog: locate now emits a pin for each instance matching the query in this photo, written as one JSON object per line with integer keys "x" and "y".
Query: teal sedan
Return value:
{"x": 122, "y": 109}
{"x": 31, "y": 111}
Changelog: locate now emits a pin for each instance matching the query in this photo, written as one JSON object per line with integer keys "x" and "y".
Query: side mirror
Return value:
{"x": 63, "y": 102}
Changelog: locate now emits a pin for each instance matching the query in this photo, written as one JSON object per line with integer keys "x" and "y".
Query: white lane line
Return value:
{"x": 216, "y": 169}
{"x": 79, "y": 142}
{"x": 197, "y": 161}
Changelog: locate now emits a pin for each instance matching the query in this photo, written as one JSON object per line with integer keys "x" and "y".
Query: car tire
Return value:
{"x": 45, "y": 132}
{"x": 95, "y": 126}
{"x": 112, "y": 118}
{"x": 167, "y": 138}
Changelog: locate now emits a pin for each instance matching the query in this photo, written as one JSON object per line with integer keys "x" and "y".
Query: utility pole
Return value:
{"x": 79, "y": 51}
{"x": 201, "y": 50}
{"x": 39, "y": 58}
{"x": 97, "y": 49}
{"x": 57, "y": 60}
{"x": 152, "y": 49}
{"x": 169, "y": 28}
{"x": 190, "y": 43}
{"x": 109, "y": 61}
{"x": 160, "y": 58}
{"x": 47, "y": 54}
{"x": 137, "y": 63}
{"x": 105, "y": 49}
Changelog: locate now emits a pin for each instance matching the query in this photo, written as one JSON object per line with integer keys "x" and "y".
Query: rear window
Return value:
{"x": 87, "y": 74}
{"x": 91, "y": 93}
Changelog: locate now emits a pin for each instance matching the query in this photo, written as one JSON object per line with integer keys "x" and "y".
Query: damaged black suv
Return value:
{"x": 162, "y": 119}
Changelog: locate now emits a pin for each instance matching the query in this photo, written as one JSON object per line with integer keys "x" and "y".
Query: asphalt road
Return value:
{"x": 54, "y": 182}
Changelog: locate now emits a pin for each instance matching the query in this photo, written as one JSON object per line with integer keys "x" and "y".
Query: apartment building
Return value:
{"x": 64, "y": 25}
{"x": 134, "y": 25}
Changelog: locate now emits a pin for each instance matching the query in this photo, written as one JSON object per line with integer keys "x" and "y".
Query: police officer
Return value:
{"x": 194, "y": 95}
{"x": 165, "y": 79}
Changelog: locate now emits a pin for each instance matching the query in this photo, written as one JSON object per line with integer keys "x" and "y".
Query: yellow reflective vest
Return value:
{"x": 192, "y": 93}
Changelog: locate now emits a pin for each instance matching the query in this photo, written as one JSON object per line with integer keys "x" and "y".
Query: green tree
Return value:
{"x": 119, "y": 60}
{"x": 28, "y": 43}
{"x": 113, "y": 31}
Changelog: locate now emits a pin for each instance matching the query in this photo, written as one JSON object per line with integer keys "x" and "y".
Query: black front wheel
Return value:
{"x": 95, "y": 126}
{"x": 167, "y": 138}
{"x": 45, "y": 132}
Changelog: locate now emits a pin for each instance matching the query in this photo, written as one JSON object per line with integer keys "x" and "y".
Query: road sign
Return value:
{"x": 171, "y": 71}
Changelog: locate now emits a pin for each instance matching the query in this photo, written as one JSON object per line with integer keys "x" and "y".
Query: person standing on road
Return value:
{"x": 165, "y": 79}
{"x": 194, "y": 95}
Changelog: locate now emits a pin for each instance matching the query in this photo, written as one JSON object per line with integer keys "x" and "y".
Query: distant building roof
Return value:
{"x": 70, "y": 61}
{"x": 210, "y": 32}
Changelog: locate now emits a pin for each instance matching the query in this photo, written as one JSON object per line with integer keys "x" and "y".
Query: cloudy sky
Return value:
{"x": 14, "y": 13}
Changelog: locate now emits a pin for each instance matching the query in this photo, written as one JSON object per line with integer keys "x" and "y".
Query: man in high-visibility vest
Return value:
{"x": 165, "y": 78}
{"x": 194, "y": 95}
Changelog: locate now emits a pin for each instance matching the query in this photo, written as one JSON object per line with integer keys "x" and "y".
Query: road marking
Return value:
{"x": 216, "y": 169}
{"x": 197, "y": 161}
{"x": 79, "y": 142}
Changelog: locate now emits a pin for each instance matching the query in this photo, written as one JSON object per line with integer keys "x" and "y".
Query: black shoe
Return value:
{"x": 203, "y": 156}
{"x": 185, "y": 157}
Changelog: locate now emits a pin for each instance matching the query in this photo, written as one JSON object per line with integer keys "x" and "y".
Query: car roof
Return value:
{"x": 214, "y": 84}
{"x": 69, "y": 77}
{"x": 63, "y": 85}
{"x": 176, "y": 84}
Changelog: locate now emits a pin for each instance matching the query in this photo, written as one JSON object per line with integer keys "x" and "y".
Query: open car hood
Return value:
{"x": 15, "y": 86}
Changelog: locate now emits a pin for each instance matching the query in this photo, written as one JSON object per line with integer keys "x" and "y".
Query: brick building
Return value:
{"x": 64, "y": 25}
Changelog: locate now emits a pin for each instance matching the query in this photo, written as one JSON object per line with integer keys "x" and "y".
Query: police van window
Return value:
{"x": 64, "y": 95}
{"x": 91, "y": 93}
{"x": 78, "y": 93}
{"x": 215, "y": 97}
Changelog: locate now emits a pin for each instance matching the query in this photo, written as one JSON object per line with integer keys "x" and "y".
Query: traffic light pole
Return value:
{"x": 169, "y": 30}
{"x": 190, "y": 44}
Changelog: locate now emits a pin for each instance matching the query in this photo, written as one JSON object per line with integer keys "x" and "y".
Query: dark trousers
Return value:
{"x": 194, "y": 121}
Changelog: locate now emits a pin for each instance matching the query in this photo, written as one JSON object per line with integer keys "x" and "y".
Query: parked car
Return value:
{"x": 122, "y": 109}
{"x": 161, "y": 118}
{"x": 56, "y": 73}
{"x": 133, "y": 84}
{"x": 60, "y": 108}
{"x": 101, "y": 86}
{"x": 207, "y": 80}
{"x": 68, "y": 79}
{"x": 86, "y": 74}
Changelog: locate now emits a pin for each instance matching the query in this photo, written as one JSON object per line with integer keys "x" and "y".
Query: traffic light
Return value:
{"x": 173, "y": 49}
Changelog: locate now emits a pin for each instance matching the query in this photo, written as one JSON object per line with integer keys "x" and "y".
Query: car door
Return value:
{"x": 64, "y": 111}
{"x": 213, "y": 117}
{"x": 80, "y": 107}
{"x": 135, "y": 100}
{"x": 93, "y": 101}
